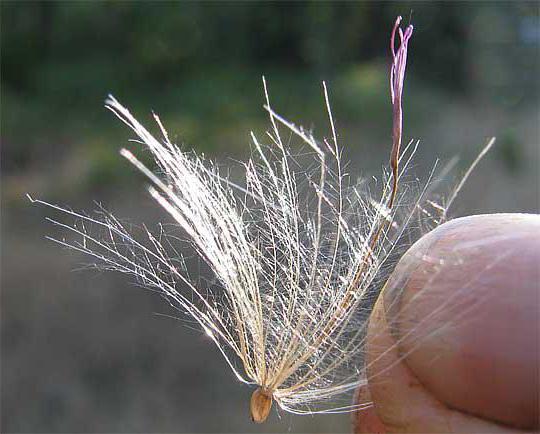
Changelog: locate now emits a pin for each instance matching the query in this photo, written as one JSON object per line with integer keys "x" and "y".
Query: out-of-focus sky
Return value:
{"x": 84, "y": 351}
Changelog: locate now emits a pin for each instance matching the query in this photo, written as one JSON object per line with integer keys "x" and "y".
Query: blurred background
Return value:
{"x": 84, "y": 351}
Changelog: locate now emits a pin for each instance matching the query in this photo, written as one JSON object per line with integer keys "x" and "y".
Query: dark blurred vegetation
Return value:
{"x": 81, "y": 352}
{"x": 163, "y": 42}
{"x": 199, "y": 65}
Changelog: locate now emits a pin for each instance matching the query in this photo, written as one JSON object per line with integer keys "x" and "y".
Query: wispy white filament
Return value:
{"x": 295, "y": 253}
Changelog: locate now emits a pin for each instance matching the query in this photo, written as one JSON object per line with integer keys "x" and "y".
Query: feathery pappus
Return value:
{"x": 299, "y": 256}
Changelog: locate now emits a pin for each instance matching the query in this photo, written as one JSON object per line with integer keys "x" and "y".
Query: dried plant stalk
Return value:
{"x": 299, "y": 256}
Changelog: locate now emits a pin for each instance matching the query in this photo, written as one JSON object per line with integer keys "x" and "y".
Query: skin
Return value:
{"x": 453, "y": 342}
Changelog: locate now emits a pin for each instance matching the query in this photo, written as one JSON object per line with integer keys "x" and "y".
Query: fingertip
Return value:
{"x": 365, "y": 420}
{"x": 469, "y": 324}
{"x": 404, "y": 395}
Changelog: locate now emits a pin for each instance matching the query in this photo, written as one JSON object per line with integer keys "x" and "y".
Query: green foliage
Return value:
{"x": 198, "y": 64}
{"x": 510, "y": 150}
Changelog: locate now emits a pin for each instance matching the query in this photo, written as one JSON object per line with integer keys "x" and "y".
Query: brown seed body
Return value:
{"x": 260, "y": 406}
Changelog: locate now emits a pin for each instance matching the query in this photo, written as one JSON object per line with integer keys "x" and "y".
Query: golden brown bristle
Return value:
{"x": 261, "y": 403}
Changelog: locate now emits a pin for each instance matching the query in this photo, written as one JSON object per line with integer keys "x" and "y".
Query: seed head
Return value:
{"x": 299, "y": 255}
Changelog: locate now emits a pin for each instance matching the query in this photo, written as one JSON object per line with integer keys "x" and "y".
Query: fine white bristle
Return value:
{"x": 299, "y": 256}
{"x": 292, "y": 253}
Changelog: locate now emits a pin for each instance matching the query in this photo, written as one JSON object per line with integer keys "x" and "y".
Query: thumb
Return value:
{"x": 453, "y": 338}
